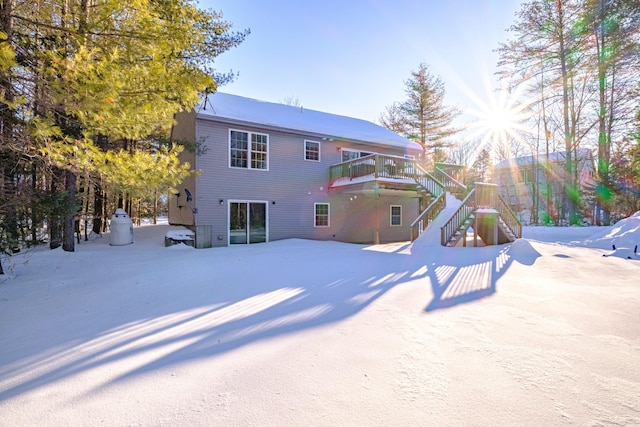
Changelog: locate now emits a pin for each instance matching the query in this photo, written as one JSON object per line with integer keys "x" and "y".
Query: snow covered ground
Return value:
{"x": 544, "y": 331}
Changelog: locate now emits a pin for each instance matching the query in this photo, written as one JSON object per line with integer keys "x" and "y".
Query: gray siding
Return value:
{"x": 356, "y": 217}
{"x": 291, "y": 186}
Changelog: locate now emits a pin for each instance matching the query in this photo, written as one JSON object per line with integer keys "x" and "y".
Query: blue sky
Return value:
{"x": 351, "y": 57}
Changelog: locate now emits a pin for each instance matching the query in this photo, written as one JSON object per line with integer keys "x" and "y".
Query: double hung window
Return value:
{"x": 312, "y": 151}
{"x": 248, "y": 150}
{"x": 321, "y": 214}
{"x": 396, "y": 215}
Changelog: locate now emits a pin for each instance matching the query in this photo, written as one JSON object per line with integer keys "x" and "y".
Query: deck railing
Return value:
{"x": 375, "y": 166}
{"x": 385, "y": 166}
{"x": 354, "y": 168}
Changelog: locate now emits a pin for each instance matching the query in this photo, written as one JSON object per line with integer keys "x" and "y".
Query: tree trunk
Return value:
{"x": 35, "y": 218}
{"x": 99, "y": 196}
{"x": 68, "y": 240}
{"x": 568, "y": 202}
{"x": 534, "y": 188}
{"x": 603, "y": 164}
{"x": 8, "y": 193}
{"x": 86, "y": 213}
{"x": 128, "y": 206}
{"x": 98, "y": 209}
{"x": 54, "y": 222}
{"x": 155, "y": 207}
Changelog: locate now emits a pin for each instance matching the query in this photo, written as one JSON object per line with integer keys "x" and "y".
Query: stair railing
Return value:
{"x": 428, "y": 181}
{"x": 427, "y": 216}
{"x": 462, "y": 214}
{"x": 482, "y": 196}
{"x": 450, "y": 183}
{"x": 509, "y": 218}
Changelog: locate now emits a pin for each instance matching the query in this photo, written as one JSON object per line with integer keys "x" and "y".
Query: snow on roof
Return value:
{"x": 556, "y": 157}
{"x": 237, "y": 108}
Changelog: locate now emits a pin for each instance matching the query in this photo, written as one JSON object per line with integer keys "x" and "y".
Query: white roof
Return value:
{"x": 556, "y": 157}
{"x": 251, "y": 111}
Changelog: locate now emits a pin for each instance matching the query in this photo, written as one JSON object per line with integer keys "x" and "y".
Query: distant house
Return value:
{"x": 270, "y": 171}
{"x": 537, "y": 181}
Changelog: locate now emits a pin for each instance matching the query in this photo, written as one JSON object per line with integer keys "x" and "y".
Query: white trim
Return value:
{"x": 249, "y": 142}
{"x": 315, "y": 225}
{"x": 266, "y": 219}
{"x": 353, "y": 150}
{"x": 304, "y": 150}
{"x": 391, "y": 224}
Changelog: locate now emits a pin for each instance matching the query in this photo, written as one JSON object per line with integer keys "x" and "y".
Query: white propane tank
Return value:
{"x": 121, "y": 229}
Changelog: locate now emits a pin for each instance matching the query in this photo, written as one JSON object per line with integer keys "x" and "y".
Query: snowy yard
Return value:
{"x": 544, "y": 331}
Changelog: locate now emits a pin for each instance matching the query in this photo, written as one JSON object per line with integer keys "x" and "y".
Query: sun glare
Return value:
{"x": 500, "y": 121}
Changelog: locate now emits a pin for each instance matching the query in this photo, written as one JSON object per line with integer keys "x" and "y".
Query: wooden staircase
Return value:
{"x": 479, "y": 207}
{"x": 486, "y": 212}
{"x": 436, "y": 204}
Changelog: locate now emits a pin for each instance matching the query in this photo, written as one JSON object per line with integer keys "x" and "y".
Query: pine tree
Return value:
{"x": 482, "y": 168}
{"x": 423, "y": 116}
{"x": 114, "y": 71}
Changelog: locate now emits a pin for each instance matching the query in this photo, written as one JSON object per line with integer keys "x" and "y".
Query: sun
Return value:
{"x": 498, "y": 125}
{"x": 500, "y": 120}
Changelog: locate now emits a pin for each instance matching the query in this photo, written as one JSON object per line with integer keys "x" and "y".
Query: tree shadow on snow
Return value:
{"x": 195, "y": 313}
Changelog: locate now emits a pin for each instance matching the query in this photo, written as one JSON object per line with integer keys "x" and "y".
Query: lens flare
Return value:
{"x": 501, "y": 121}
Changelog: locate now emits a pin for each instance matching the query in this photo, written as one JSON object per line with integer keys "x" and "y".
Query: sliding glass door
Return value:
{"x": 247, "y": 222}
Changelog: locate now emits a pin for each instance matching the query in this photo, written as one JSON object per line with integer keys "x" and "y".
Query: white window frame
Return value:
{"x": 351, "y": 150}
{"x": 391, "y": 216}
{"x": 305, "y": 150}
{"x": 315, "y": 215}
{"x": 230, "y": 201}
{"x": 250, "y": 150}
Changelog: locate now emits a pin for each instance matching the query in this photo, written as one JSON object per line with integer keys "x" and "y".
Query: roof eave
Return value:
{"x": 301, "y": 132}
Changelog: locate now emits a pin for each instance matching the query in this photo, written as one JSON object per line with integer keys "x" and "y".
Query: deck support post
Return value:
{"x": 487, "y": 222}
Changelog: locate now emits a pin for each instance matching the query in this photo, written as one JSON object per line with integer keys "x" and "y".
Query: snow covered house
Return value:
{"x": 531, "y": 182}
{"x": 270, "y": 171}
